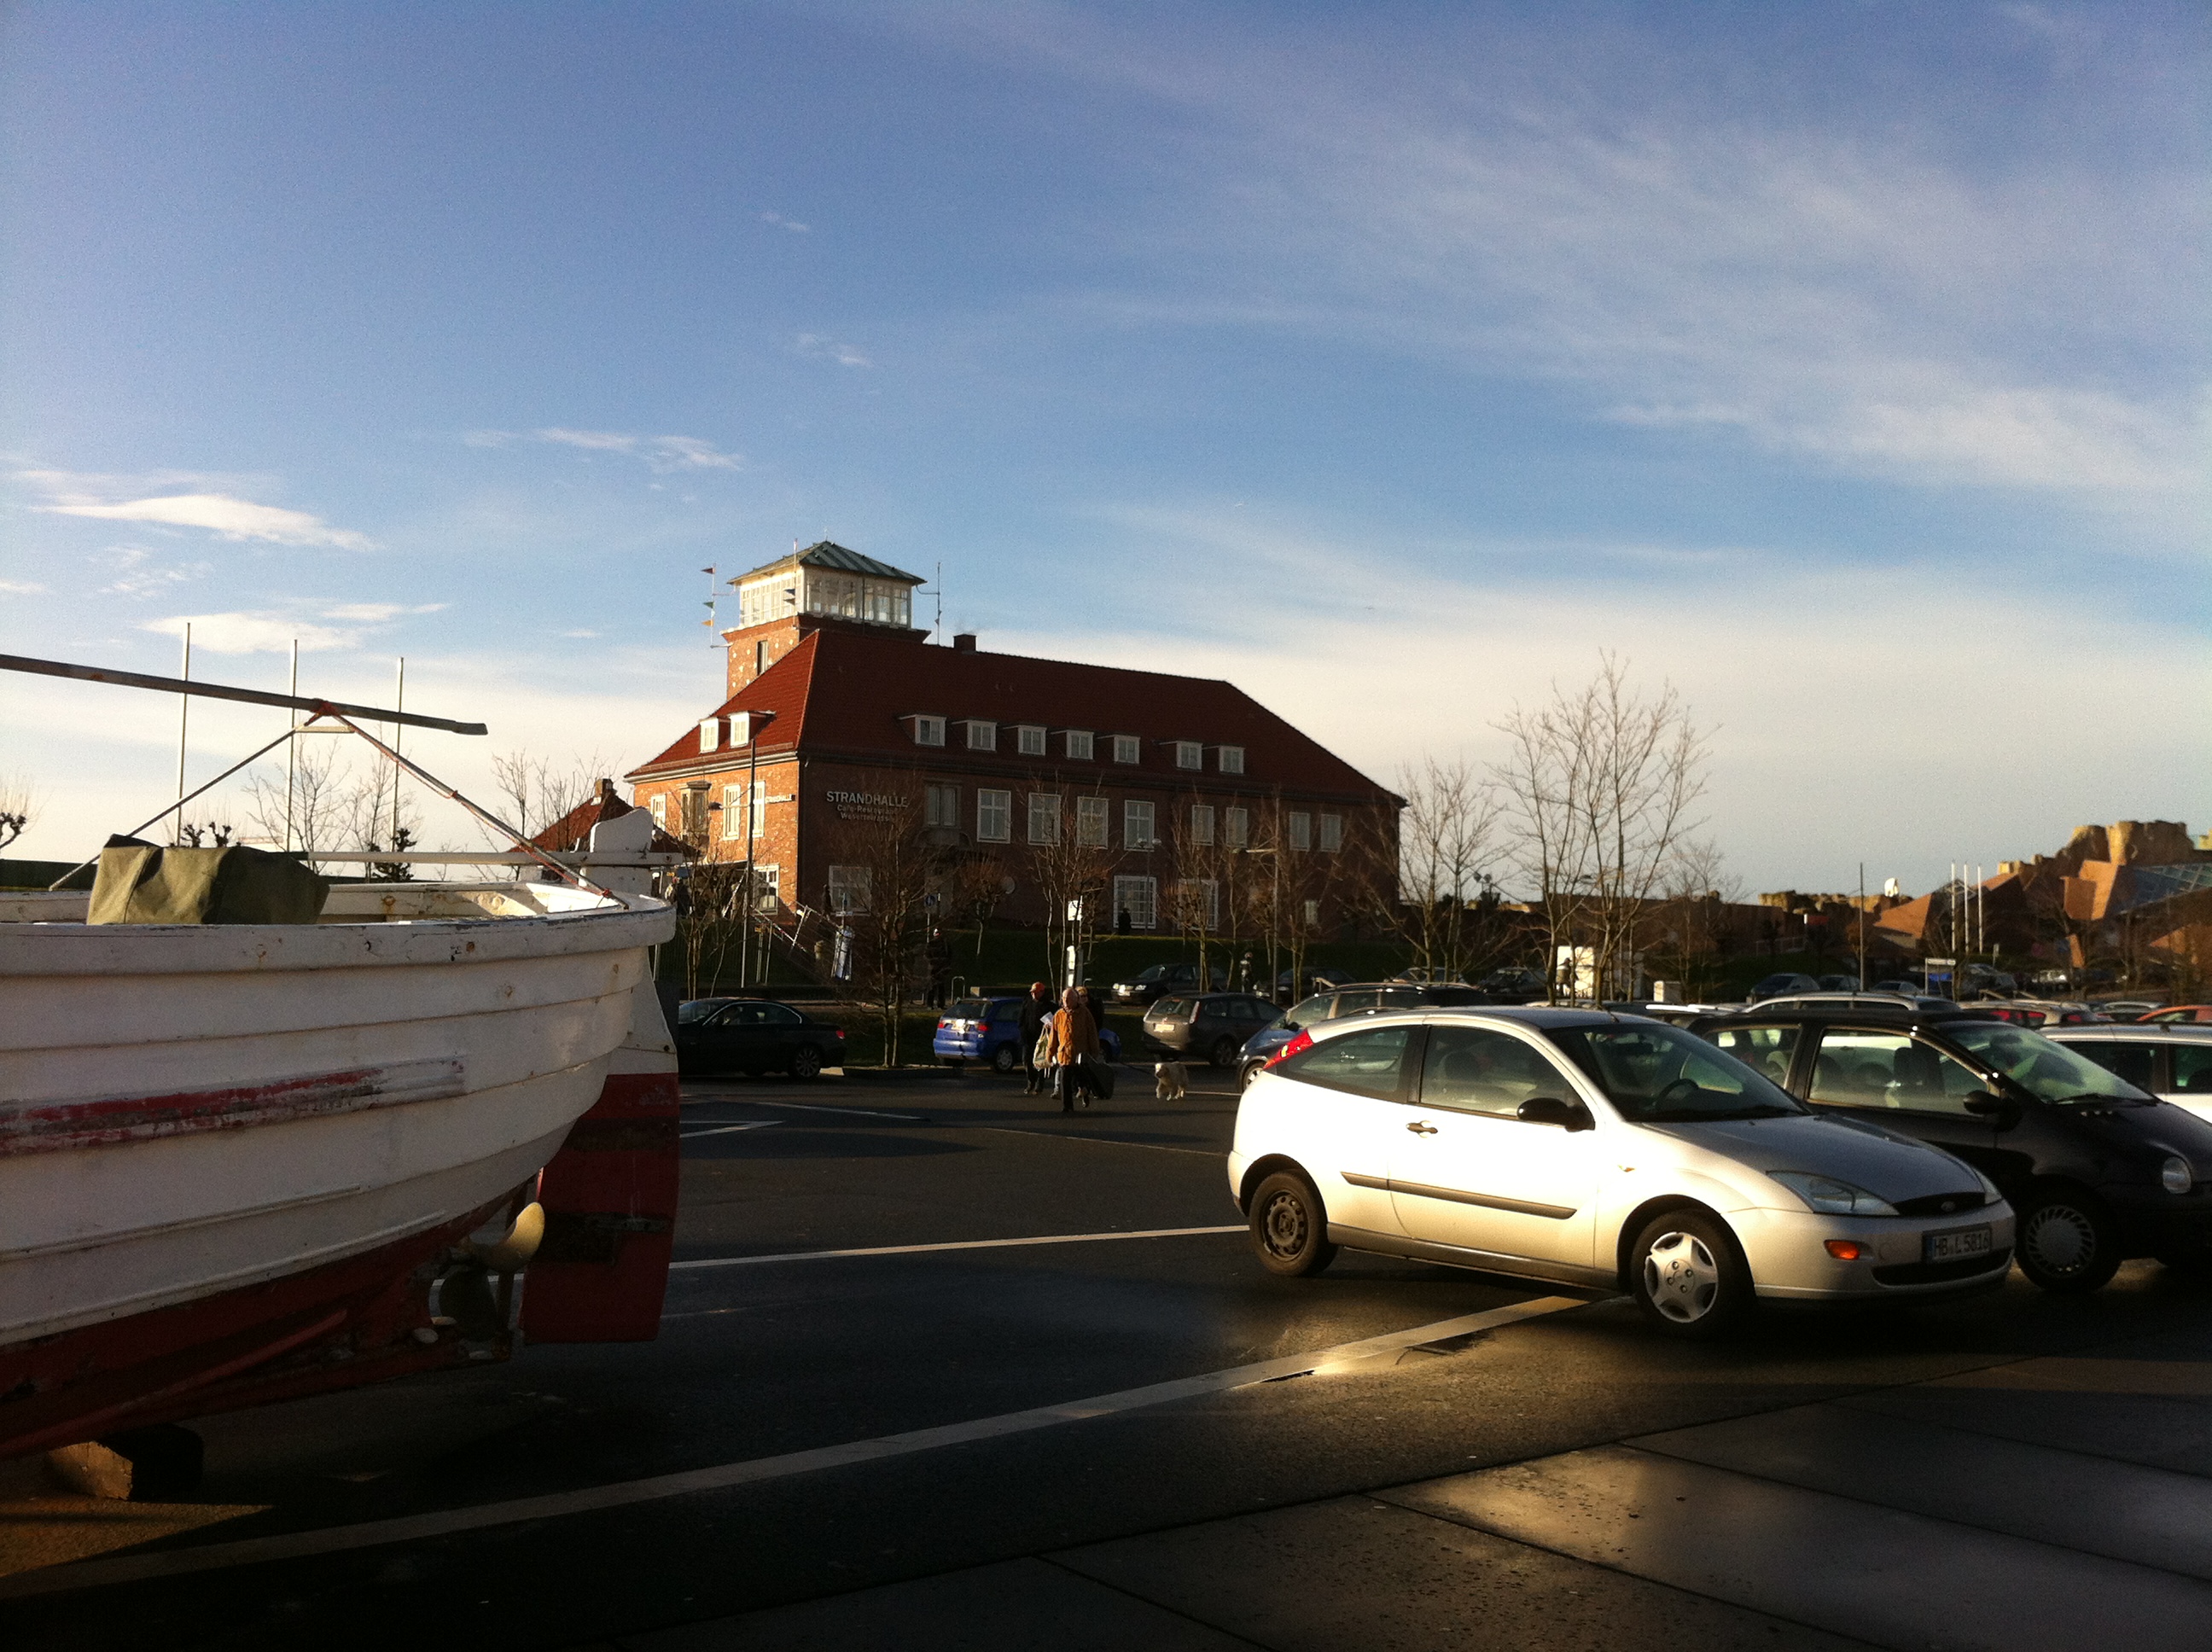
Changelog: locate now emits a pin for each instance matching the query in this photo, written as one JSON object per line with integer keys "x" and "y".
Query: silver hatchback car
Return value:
{"x": 1598, "y": 1150}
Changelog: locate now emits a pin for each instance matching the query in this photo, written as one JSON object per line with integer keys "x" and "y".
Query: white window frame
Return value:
{"x": 768, "y": 888}
{"x": 1235, "y": 827}
{"x": 658, "y": 802}
{"x": 1139, "y": 825}
{"x": 1231, "y": 759}
{"x": 850, "y": 888}
{"x": 1044, "y": 816}
{"x": 1190, "y": 754}
{"x": 940, "y": 805}
{"x": 1201, "y": 825}
{"x": 1029, "y": 739}
{"x": 929, "y": 730}
{"x": 1313, "y": 915}
{"x": 994, "y": 814}
{"x": 1128, "y": 749}
{"x": 1141, "y": 898}
{"x": 1301, "y": 830}
{"x": 733, "y": 808}
{"x": 1330, "y": 837}
{"x": 1092, "y": 822}
{"x": 693, "y": 812}
{"x": 1080, "y": 743}
{"x": 982, "y": 736}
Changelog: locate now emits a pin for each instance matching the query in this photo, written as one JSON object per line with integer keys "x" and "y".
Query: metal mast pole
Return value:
{"x": 752, "y": 830}
{"x": 398, "y": 704}
{"x": 291, "y": 747}
{"x": 183, "y": 720}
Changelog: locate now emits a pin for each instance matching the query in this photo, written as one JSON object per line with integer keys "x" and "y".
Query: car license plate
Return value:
{"x": 1955, "y": 1245}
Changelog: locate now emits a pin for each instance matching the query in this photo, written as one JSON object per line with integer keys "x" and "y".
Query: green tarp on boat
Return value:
{"x": 141, "y": 883}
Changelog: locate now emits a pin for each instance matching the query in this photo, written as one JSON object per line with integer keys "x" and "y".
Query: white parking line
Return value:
{"x": 955, "y": 1244}
{"x": 338, "y": 1539}
{"x": 725, "y": 1129}
{"x": 806, "y": 1107}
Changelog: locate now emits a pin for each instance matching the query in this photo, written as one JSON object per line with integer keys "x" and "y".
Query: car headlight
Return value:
{"x": 2176, "y": 1176}
{"x": 1990, "y": 1191}
{"x": 1831, "y": 1197}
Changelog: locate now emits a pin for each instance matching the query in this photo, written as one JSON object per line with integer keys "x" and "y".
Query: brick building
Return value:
{"x": 838, "y": 710}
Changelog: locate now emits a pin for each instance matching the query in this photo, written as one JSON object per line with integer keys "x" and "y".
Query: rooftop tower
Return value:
{"x": 823, "y": 585}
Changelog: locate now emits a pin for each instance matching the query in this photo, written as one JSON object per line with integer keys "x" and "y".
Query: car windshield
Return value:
{"x": 1152, "y": 972}
{"x": 2050, "y": 1071}
{"x": 697, "y": 1009}
{"x": 1656, "y": 1073}
{"x": 967, "y": 1009}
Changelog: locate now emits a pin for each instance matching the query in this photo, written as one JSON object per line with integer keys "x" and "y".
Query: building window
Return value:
{"x": 940, "y": 806}
{"x": 1313, "y": 915}
{"x": 982, "y": 737}
{"x": 1331, "y": 833}
{"x": 694, "y": 805}
{"x": 848, "y": 889}
{"x": 1139, "y": 898}
{"x": 710, "y": 735}
{"x": 1201, "y": 824}
{"x": 1300, "y": 831}
{"x": 1044, "y": 816}
{"x": 768, "y": 883}
{"x": 659, "y": 807}
{"x": 771, "y": 598}
{"x": 994, "y": 816}
{"x": 1198, "y": 904}
{"x": 929, "y": 730}
{"x": 1127, "y": 749}
{"x": 1029, "y": 740}
{"x": 760, "y": 656}
{"x": 1190, "y": 754}
{"x": 1091, "y": 822}
{"x": 1232, "y": 760}
{"x": 1078, "y": 743}
{"x": 1237, "y": 829}
{"x": 1138, "y": 826}
{"x": 733, "y": 812}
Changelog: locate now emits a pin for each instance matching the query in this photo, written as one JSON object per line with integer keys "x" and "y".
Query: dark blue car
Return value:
{"x": 990, "y": 1029}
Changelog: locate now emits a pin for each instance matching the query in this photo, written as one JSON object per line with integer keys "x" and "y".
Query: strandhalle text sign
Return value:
{"x": 867, "y": 805}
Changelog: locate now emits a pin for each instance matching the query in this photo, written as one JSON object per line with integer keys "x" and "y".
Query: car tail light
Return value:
{"x": 1302, "y": 1041}
{"x": 841, "y": 1035}
{"x": 1846, "y": 1250}
{"x": 944, "y": 1026}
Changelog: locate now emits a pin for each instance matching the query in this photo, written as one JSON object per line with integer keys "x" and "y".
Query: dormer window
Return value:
{"x": 1079, "y": 743}
{"x": 1232, "y": 760}
{"x": 1127, "y": 749}
{"x": 1188, "y": 754}
{"x": 1029, "y": 739}
{"x": 710, "y": 735}
{"x": 928, "y": 731}
{"x": 981, "y": 736}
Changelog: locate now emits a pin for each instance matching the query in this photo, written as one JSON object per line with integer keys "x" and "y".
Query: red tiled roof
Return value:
{"x": 844, "y": 692}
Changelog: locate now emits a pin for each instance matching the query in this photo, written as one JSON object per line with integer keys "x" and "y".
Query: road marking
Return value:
{"x": 725, "y": 1129}
{"x": 338, "y": 1539}
{"x": 810, "y": 1107}
{"x": 955, "y": 1244}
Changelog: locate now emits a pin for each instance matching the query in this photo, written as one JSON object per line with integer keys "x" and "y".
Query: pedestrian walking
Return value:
{"x": 1036, "y": 1010}
{"x": 938, "y": 953}
{"x": 1074, "y": 1042}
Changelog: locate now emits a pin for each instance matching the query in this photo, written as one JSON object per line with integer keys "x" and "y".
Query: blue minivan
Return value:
{"x": 990, "y": 1029}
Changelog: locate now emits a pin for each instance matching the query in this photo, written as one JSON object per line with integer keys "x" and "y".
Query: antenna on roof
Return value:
{"x": 710, "y": 621}
{"x": 937, "y": 630}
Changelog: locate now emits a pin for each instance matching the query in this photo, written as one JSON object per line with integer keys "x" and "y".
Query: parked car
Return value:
{"x": 2181, "y": 1012}
{"x": 1915, "y": 1000}
{"x": 1513, "y": 984}
{"x": 754, "y": 1035}
{"x": 1208, "y": 1027}
{"x": 1839, "y": 983}
{"x": 1601, "y": 1150}
{"x": 989, "y": 1029}
{"x": 1913, "y": 988}
{"x": 1419, "y": 976}
{"x": 2097, "y": 1169}
{"x": 2172, "y": 1060}
{"x": 1370, "y": 999}
{"x": 1157, "y": 980}
{"x": 1313, "y": 981}
{"x": 1787, "y": 982}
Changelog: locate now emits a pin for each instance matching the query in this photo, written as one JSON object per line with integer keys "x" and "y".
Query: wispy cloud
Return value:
{"x": 821, "y": 347}
{"x": 221, "y": 514}
{"x": 252, "y": 633}
{"x": 377, "y": 613}
{"x": 140, "y": 573}
{"x": 22, "y": 588}
{"x": 790, "y": 224}
{"x": 663, "y": 454}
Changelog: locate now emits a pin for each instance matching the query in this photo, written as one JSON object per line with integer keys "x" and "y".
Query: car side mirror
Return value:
{"x": 1549, "y": 1109}
{"x": 1998, "y": 1111}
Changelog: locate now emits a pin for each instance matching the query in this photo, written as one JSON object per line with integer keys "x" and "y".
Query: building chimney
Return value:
{"x": 964, "y": 641}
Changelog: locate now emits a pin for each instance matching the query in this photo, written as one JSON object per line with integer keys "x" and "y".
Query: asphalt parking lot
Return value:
{"x": 870, "y": 1420}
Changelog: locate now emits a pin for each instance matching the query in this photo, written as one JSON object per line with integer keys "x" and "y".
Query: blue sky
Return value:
{"x": 1845, "y": 364}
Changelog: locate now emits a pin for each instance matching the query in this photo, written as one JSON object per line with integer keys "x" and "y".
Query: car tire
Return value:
{"x": 1223, "y": 1053}
{"x": 1005, "y": 1059}
{"x": 2066, "y": 1243}
{"x": 1290, "y": 1227}
{"x": 1248, "y": 1073}
{"x": 805, "y": 1063}
{"x": 1688, "y": 1275}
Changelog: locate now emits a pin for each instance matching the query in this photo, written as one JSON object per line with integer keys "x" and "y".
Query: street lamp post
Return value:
{"x": 753, "y": 722}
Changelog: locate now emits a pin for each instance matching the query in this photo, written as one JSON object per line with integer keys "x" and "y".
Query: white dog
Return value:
{"x": 1171, "y": 1083}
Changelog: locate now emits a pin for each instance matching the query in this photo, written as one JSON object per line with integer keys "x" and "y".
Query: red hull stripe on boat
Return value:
{"x": 66, "y": 1126}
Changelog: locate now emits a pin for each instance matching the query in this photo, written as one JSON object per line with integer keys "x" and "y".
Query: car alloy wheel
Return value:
{"x": 1005, "y": 1059}
{"x": 1688, "y": 1276}
{"x": 1290, "y": 1230}
{"x": 2067, "y": 1244}
{"x": 1223, "y": 1053}
{"x": 806, "y": 1063}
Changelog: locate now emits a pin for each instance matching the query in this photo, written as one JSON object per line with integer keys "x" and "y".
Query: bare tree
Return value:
{"x": 1437, "y": 892}
{"x": 537, "y": 791}
{"x": 19, "y": 807}
{"x": 884, "y": 870}
{"x": 1601, "y": 783}
{"x": 711, "y": 918}
{"x": 1687, "y": 926}
{"x": 1073, "y": 879}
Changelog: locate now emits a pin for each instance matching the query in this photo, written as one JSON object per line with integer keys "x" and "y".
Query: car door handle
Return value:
{"x": 1421, "y": 1129}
